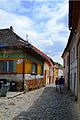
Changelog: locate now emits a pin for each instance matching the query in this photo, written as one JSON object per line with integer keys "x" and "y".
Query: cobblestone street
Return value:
{"x": 42, "y": 104}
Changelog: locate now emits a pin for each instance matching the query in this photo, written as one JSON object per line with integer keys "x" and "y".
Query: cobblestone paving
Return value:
{"x": 9, "y": 108}
{"x": 42, "y": 104}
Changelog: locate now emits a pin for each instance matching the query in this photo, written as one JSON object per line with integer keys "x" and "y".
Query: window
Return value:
{"x": 74, "y": 81}
{"x": 7, "y": 66}
{"x": 4, "y": 66}
{"x": 34, "y": 68}
{"x": 10, "y": 66}
{"x": 71, "y": 56}
{"x": 73, "y": 53}
{"x": 42, "y": 70}
{"x": 71, "y": 79}
{"x": 67, "y": 60}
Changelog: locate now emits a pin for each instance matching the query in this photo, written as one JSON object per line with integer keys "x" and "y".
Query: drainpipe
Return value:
{"x": 77, "y": 73}
{"x": 23, "y": 69}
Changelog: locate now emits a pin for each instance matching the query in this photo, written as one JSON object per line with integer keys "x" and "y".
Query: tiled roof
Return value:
{"x": 9, "y": 38}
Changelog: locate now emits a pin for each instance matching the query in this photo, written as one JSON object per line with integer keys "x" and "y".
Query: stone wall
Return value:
{"x": 30, "y": 81}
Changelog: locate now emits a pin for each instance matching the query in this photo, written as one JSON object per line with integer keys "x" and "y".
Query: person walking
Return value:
{"x": 61, "y": 84}
{"x": 57, "y": 84}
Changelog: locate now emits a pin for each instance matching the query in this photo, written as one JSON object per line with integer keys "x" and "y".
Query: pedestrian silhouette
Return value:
{"x": 61, "y": 84}
{"x": 57, "y": 84}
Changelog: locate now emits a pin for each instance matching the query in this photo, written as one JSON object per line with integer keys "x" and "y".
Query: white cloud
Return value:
{"x": 42, "y": 34}
{"x": 58, "y": 58}
{"x": 21, "y": 24}
{"x": 13, "y": 6}
{"x": 56, "y": 12}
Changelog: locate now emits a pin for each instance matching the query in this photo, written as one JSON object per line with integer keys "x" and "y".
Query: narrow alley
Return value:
{"x": 42, "y": 104}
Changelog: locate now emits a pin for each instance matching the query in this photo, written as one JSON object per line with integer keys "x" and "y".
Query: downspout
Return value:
{"x": 77, "y": 73}
{"x": 23, "y": 69}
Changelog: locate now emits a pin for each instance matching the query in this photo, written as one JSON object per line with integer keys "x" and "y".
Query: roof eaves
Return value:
{"x": 68, "y": 44}
{"x": 39, "y": 53}
{"x": 70, "y": 14}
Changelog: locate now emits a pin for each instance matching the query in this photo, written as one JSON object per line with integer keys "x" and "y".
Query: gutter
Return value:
{"x": 2, "y": 46}
{"x": 70, "y": 14}
{"x": 68, "y": 43}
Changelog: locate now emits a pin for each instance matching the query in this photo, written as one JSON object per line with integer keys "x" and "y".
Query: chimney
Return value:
{"x": 11, "y": 28}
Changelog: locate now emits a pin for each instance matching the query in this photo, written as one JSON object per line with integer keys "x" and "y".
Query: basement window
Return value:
{"x": 7, "y": 66}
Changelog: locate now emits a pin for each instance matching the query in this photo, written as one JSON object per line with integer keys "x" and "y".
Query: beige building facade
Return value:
{"x": 46, "y": 72}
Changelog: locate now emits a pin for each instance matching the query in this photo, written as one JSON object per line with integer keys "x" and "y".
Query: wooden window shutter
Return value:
{"x": 14, "y": 66}
{"x": 11, "y": 66}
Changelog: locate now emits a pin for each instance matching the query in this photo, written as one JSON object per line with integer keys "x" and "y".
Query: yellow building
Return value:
{"x": 19, "y": 62}
{"x": 55, "y": 72}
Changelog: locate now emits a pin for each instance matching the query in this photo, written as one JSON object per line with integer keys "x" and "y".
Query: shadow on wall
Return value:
{"x": 49, "y": 106}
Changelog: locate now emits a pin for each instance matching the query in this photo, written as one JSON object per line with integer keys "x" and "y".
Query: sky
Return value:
{"x": 44, "y": 21}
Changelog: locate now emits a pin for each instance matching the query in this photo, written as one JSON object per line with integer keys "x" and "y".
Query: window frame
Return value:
{"x": 8, "y": 66}
{"x": 42, "y": 69}
{"x": 34, "y": 72}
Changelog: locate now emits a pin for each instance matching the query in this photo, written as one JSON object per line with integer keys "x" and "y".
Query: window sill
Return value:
{"x": 33, "y": 73}
{"x": 8, "y": 73}
{"x": 41, "y": 74}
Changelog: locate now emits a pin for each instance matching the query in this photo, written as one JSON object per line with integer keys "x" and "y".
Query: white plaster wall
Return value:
{"x": 11, "y": 77}
{"x": 30, "y": 77}
{"x": 20, "y": 76}
{"x": 72, "y": 86}
{"x": 46, "y": 67}
{"x": 73, "y": 66}
{"x": 66, "y": 70}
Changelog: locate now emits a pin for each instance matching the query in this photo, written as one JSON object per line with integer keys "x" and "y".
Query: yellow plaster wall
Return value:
{"x": 20, "y": 68}
{"x": 27, "y": 66}
{"x": 39, "y": 69}
{"x": 10, "y": 59}
{"x": 55, "y": 73}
